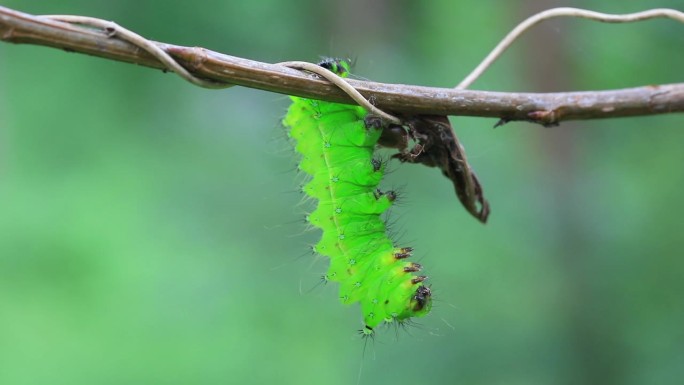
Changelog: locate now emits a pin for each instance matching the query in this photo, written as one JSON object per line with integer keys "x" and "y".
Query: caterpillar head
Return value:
{"x": 341, "y": 67}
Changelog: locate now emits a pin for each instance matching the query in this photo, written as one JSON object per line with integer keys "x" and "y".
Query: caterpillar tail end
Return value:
{"x": 421, "y": 302}
{"x": 419, "y": 305}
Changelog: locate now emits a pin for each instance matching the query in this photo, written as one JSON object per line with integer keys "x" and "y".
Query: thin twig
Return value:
{"x": 112, "y": 29}
{"x": 547, "y": 108}
{"x": 344, "y": 85}
{"x": 561, "y": 12}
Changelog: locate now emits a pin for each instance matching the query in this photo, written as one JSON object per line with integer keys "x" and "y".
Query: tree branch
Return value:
{"x": 543, "y": 108}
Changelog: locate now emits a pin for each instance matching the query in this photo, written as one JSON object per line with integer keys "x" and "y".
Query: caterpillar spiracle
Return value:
{"x": 337, "y": 145}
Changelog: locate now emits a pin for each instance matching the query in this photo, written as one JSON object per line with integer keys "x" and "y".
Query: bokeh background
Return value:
{"x": 151, "y": 232}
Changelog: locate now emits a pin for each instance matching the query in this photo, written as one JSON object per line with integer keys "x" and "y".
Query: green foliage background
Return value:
{"x": 150, "y": 231}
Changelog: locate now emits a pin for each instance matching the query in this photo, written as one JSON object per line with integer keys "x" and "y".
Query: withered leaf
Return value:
{"x": 436, "y": 145}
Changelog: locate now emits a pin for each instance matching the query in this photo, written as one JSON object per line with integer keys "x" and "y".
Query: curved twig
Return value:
{"x": 559, "y": 12}
{"x": 344, "y": 86}
{"x": 112, "y": 29}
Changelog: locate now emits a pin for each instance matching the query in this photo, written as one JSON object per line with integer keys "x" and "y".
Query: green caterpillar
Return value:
{"x": 337, "y": 143}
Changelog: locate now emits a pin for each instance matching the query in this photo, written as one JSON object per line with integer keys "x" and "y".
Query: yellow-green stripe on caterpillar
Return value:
{"x": 337, "y": 144}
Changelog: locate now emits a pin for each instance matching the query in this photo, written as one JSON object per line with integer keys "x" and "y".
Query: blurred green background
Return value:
{"x": 151, "y": 232}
